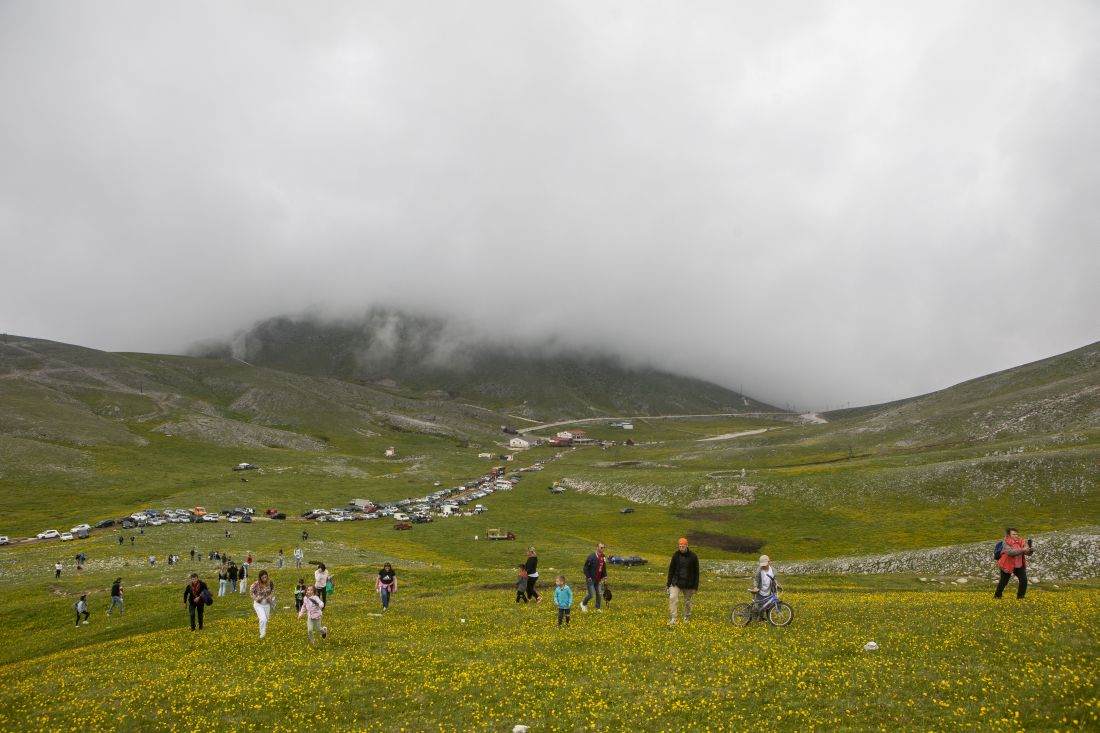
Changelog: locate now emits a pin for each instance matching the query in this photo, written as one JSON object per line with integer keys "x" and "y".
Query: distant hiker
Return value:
{"x": 299, "y": 594}
{"x": 305, "y": 535}
{"x": 279, "y": 559}
{"x": 231, "y": 574}
{"x": 595, "y": 572}
{"x": 242, "y": 575}
{"x": 1013, "y": 561}
{"x": 122, "y": 540}
{"x": 223, "y": 580}
{"x": 386, "y": 584}
{"x": 682, "y": 580}
{"x": 532, "y": 566}
{"x": 312, "y": 606}
{"x": 57, "y": 570}
{"x": 563, "y": 599}
{"x": 152, "y": 560}
{"x": 81, "y": 607}
{"x": 263, "y": 598}
{"x": 322, "y": 582}
{"x": 248, "y": 560}
{"x": 131, "y": 540}
{"x": 298, "y": 557}
{"x": 195, "y": 596}
{"x": 116, "y": 597}
{"x": 521, "y": 583}
{"x": 192, "y": 554}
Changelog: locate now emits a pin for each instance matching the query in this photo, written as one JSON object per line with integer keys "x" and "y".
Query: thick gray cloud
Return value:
{"x": 824, "y": 203}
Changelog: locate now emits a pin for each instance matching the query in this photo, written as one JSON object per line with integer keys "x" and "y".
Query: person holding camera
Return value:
{"x": 1013, "y": 561}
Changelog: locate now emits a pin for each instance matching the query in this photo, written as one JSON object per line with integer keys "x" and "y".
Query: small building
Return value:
{"x": 391, "y": 452}
{"x": 486, "y": 456}
{"x": 519, "y": 442}
{"x": 565, "y": 435}
{"x": 362, "y": 504}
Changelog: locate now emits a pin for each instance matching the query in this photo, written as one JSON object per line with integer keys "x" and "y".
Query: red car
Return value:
{"x": 271, "y": 512}
{"x": 403, "y": 525}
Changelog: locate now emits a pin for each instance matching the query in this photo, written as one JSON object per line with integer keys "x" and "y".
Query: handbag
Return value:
{"x": 606, "y": 594}
{"x": 328, "y": 588}
{"x": 207, "y": 597}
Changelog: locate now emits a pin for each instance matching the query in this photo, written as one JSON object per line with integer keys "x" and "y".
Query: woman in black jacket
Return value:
{"x": 194, "y": 598}
{"x": 532, "y": 567}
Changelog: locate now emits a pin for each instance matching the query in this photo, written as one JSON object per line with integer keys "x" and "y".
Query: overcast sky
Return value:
{"x": 823, "y": 202}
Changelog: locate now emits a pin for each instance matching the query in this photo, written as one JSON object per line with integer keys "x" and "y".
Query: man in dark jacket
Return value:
{"x": 683, "y": 580}
{"x": 595, "y": 571}
{"x": 194, "y": 600}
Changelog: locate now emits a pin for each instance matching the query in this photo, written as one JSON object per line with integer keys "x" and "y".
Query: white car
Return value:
{"x": 401, "y": 517}
{"x": 158, "y": 522}
{"x": 234, "y": 518}
{"x": 80, "y": 528}
{"x": 210, "y": 517}
{"x": 66, "y": 536}
{"x": 4, "y": 540}
{"x": 49, "y": 534}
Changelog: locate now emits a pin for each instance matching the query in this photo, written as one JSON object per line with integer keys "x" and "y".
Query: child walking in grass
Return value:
{"x": 312, "y": 606}
{"x": 521, "y": 584}
{"x": 81, "y": 608}
{"x": 563, "y": 599}
{"x": 299, "y": 594}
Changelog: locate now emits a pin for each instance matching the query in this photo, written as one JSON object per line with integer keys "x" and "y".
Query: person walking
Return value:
{"x": 242, "y": 577}
{"x": 232, "y": 575}
{"x": 192, "y": 554}
{"x": 595, "y": 572}
{"x": 263, "y": 598}
{"x": 386, "y": 584}
{"x": 312, "y": 606}
{"x": 299, "y": 594}
{"x": 321, "y": 580}
{"x": 195, "y": 595}
{"x": 532, "y": 567}
{"x": 1013, "y": 561}
{"x": 563, "y": 599}
{"x": 279, "y": 560}
{"x": 682, "y": 580}
{"x": 298, "y": 555}
{"x": 121, "y": 540}
{"x": 521, "y": 583}
{"x": 223, "y": 580}
{"x": 57, "y": 570}
{"x": 81, "y": 607}
{"x": 116, "y": 597}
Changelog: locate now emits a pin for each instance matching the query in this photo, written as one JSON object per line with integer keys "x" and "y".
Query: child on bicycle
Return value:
{"x": 764, "y": 583}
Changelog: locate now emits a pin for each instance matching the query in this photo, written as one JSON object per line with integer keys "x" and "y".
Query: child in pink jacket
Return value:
{"x": 312, "y": 606}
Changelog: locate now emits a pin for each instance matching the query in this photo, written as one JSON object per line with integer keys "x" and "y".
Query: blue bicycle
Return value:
{"x": 771, "y": 609}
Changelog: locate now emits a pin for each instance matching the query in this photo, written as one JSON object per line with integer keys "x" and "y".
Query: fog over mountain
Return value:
{"x": 819, "y": 204}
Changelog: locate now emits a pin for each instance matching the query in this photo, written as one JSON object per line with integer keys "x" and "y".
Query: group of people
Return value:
{"x": 682, "y": 579}
{"x": 309, "y": 600}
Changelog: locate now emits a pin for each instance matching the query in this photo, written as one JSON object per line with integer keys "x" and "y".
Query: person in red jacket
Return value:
{"x": 1014, "y": 553}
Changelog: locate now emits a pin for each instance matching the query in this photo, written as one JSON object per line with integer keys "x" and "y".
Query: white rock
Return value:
{"x": 519, "y": 729}
{"x": 962, "y": 581}
{"x": 870, "y": 647}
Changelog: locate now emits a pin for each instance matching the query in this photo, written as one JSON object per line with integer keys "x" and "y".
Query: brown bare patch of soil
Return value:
{"x": 729, "y": 543}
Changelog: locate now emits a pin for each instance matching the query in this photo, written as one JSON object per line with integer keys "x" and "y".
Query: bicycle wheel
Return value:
{"x": 742, "y": 614}
{"x": 780, "y": 615}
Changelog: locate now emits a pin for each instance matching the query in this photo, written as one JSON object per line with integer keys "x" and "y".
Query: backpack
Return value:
{"x": 998, "y": 550}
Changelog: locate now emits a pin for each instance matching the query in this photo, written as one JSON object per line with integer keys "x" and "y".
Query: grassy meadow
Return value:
{"x": 934, "y": 475}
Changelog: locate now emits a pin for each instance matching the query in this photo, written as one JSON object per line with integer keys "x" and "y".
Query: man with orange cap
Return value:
{"x": 683, "y": 580}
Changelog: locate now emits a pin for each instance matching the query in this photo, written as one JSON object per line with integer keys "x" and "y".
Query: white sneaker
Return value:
{"x": 85, "y": 622}
{"x": 672, "y": 622}
{"x": 584, "y": 608}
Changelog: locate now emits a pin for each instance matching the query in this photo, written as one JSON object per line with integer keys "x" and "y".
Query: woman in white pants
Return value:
{"x": 263, "y": 598}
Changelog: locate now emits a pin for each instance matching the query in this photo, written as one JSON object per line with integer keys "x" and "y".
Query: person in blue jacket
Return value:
{"x": 563, "y": 599}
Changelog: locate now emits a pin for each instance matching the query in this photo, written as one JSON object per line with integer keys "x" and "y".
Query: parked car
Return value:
{"x": 401, "y": 517}
{"x": 49, "y": 534}
{"x": 66, "y": 536}
{"x": 278, "y": 515}
{"x": 210, "y": 518}
{"x": 271, "y": 512}
{"x": 245, "y": 467}
{"x": 627, "y": 510}
{"x": 246, "y": 519}
{"x": 80, "y": 527}
{"x": 234, "y": 518}
{"x": 628, "y": 560}
{"x": 403, "y": 525}
{"x": 4, "y": 540}
{"x": 105, "y": 523}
